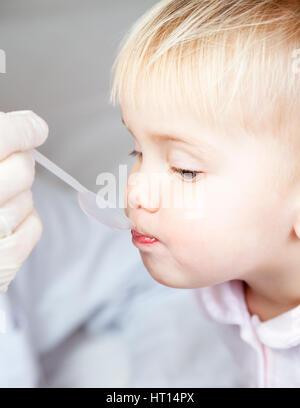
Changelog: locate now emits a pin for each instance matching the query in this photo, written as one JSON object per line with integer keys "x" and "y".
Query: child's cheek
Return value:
{"x": 212, "y": 221}
{"x": 184, "y": 228}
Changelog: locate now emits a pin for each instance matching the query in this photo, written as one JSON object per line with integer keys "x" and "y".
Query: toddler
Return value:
{"x": 210, "y": 91}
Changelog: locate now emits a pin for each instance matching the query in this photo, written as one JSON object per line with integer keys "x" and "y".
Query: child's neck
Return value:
{"x": 262, "y": 306}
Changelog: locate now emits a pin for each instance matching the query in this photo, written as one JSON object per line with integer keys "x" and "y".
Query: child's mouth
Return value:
{"x": 138, "y": 238}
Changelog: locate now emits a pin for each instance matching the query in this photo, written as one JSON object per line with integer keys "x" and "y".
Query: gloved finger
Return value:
{"x": 21, "y": 131}
{"x": 16, "y": 248}
{"x": 16, "y": 175}
{"x": 14, "y": 211}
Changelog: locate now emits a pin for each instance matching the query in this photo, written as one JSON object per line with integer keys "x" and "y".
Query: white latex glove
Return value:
{"x": 20, "y": 224}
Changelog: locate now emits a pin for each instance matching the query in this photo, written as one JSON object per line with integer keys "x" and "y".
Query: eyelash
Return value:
{"x": 134, "y": 153}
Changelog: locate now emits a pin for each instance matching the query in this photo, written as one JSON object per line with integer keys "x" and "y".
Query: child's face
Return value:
{"x": 243, "y": 223}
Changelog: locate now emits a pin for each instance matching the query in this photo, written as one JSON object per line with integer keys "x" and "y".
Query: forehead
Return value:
{"x": 174, "y": 125}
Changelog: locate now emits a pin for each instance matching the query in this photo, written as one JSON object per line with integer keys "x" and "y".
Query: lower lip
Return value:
{"x": 143, "y": 239}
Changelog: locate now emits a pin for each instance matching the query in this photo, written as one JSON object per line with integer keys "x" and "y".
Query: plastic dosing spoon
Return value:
{"x": 112, "y": 217}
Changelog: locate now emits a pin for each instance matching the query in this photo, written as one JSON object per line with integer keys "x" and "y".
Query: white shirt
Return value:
{"x": 268, "y": 353}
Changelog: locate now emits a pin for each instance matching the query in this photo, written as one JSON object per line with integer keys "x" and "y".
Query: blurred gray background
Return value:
{"x": 59, "y": 61}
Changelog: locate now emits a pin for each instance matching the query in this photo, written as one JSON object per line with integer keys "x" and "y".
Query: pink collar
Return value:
{"x": 225, "y": 303}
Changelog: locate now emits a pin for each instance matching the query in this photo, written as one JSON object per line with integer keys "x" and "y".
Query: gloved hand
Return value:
{"x": 20, "y": 224}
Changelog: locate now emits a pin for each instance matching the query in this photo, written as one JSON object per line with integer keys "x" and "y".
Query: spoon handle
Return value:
{"x": 53, "y": 168}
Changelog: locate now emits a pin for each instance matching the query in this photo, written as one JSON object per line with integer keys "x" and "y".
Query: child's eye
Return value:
{"x": 134, "y": 153}
{"x": 187, "y": 175}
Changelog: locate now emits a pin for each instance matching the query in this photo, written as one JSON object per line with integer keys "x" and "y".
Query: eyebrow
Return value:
{"x": 166, "y": 137}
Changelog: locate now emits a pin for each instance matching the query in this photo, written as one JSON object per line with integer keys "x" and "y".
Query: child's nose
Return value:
{"x": 143, "y": 191}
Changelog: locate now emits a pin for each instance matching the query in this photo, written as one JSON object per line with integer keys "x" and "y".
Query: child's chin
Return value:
{"x": 167, "y": 280}
{"x": 178, "y": 283}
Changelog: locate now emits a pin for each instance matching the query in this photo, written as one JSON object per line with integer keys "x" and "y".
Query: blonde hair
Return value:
{"x": 226, "y": 61}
